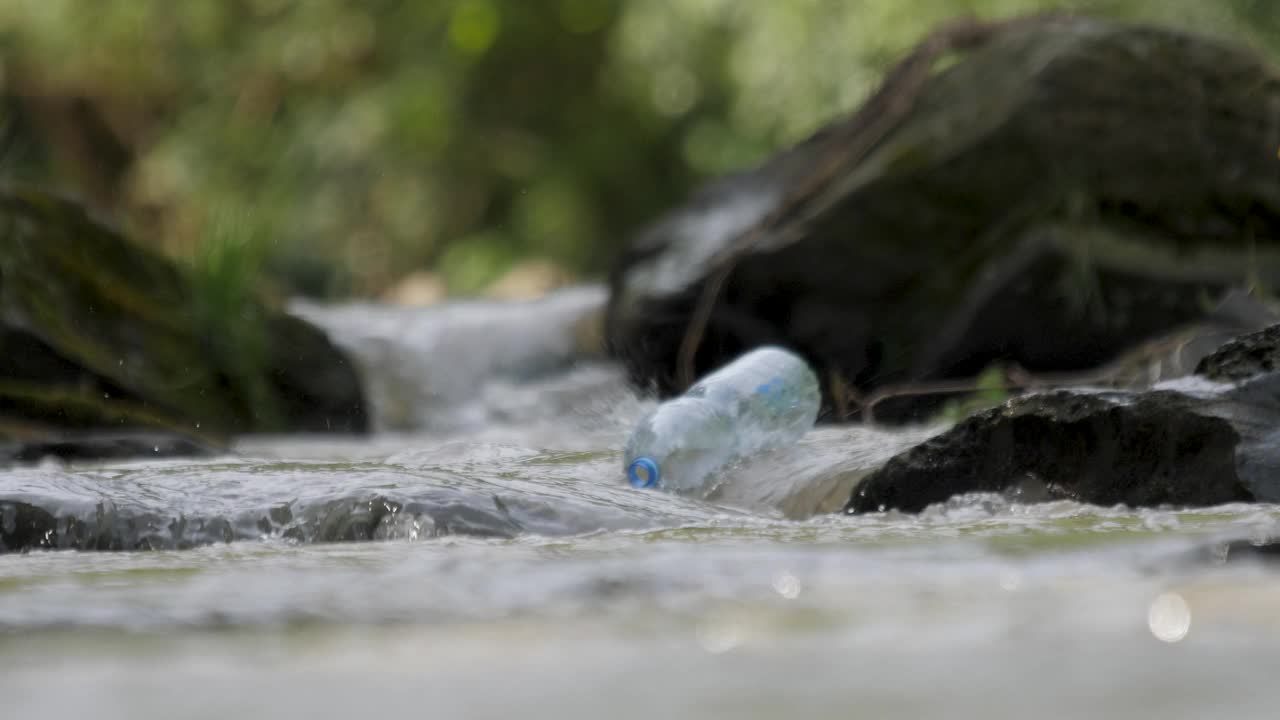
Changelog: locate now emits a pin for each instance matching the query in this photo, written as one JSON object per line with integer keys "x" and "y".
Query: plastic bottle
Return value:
{"x": 765, "y": 399}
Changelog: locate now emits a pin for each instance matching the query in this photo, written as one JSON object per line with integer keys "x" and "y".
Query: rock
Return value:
{"x": 24, "y": 526}
{"x": 1106, "y": 449}
{"x": 1244, "y": 357}
{"x": 1192, "y": 442}
{"x": 102, "y": 446}
{"x": 1047, "y": 201}
{"x": 100, "y": 335}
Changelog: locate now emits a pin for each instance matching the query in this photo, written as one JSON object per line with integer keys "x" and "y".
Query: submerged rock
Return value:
{"x": 1208, "y": 439}
{"x": 1064, "y": 191}
{"x": 101, "y": 335}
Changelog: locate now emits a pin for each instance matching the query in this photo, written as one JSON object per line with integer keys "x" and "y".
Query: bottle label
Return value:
{"x": 774, "y": 394}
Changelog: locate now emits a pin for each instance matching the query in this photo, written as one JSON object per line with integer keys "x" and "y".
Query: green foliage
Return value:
{"x": 358, "y": 141}
{"x": 228, "y": 314}
{"x": 991, "y": 389}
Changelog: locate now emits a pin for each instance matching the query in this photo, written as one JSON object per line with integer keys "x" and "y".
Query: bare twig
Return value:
{"x": 1019, "y": 378}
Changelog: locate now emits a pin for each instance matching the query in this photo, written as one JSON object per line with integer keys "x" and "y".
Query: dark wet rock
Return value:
{"x": 1244, "y": 357}
{"x": 1066, "y": 190}
{"x": 45, "y": 520}
{"x": 28, "y": 526}
{"x": 1192, "y": 442}
{"x": 1158, "y": 448}
{"x": 103, "y": 446}
{"x": 100, "y": 335}
{"x": 24, "y": 526}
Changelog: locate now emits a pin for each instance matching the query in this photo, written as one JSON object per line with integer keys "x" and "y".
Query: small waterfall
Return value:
{"x": 460, "y": 366}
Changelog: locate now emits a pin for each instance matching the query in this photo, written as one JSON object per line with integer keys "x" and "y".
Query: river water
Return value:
{"x": 481, "y": 556}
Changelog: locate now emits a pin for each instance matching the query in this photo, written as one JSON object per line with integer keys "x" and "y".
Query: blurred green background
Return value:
{"x": 330, "y": 149}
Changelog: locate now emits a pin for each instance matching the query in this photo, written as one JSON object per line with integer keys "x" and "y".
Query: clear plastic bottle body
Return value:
{"x": 767, "y": 398}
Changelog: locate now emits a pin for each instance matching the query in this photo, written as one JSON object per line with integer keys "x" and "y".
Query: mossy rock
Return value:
{"x": 99, "y": 333}
{"x": 1062, "y": 190}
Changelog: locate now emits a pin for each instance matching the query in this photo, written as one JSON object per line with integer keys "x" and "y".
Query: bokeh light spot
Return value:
{"x": 474, "y": 26}
{"x": 1169, "y": 617}
{"x": 675, "y": 90}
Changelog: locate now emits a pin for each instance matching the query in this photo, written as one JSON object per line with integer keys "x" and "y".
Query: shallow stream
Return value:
{"x": 482, "y": 556}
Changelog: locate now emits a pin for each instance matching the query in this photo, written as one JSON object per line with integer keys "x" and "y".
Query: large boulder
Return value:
{"x": 98, "y": 334}
{"x": 1207, "y": 439}
{"x": 1063, "y": 191}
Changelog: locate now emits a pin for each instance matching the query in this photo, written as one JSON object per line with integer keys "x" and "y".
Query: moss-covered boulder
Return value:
{"x": 100, "y": 334}
{"x": 1044, "y": 193}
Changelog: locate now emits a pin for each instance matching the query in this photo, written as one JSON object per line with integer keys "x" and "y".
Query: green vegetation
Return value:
{"x": 991, "y": 388}
{"x": 356, "y": 142}
{"x": 227, "y": 313}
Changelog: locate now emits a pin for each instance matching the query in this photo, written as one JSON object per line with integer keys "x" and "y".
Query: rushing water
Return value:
{"x": 483, "y": 556}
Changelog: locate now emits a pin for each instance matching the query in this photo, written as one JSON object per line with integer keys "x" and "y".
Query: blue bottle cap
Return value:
{"x": 643, "y": 472}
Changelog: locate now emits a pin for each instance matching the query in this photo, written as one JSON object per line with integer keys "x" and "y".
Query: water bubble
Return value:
{"x": 1169, "y": 617}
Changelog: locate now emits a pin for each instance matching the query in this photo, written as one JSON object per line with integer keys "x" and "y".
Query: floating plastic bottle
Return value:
{"x": 763, "y": 400}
